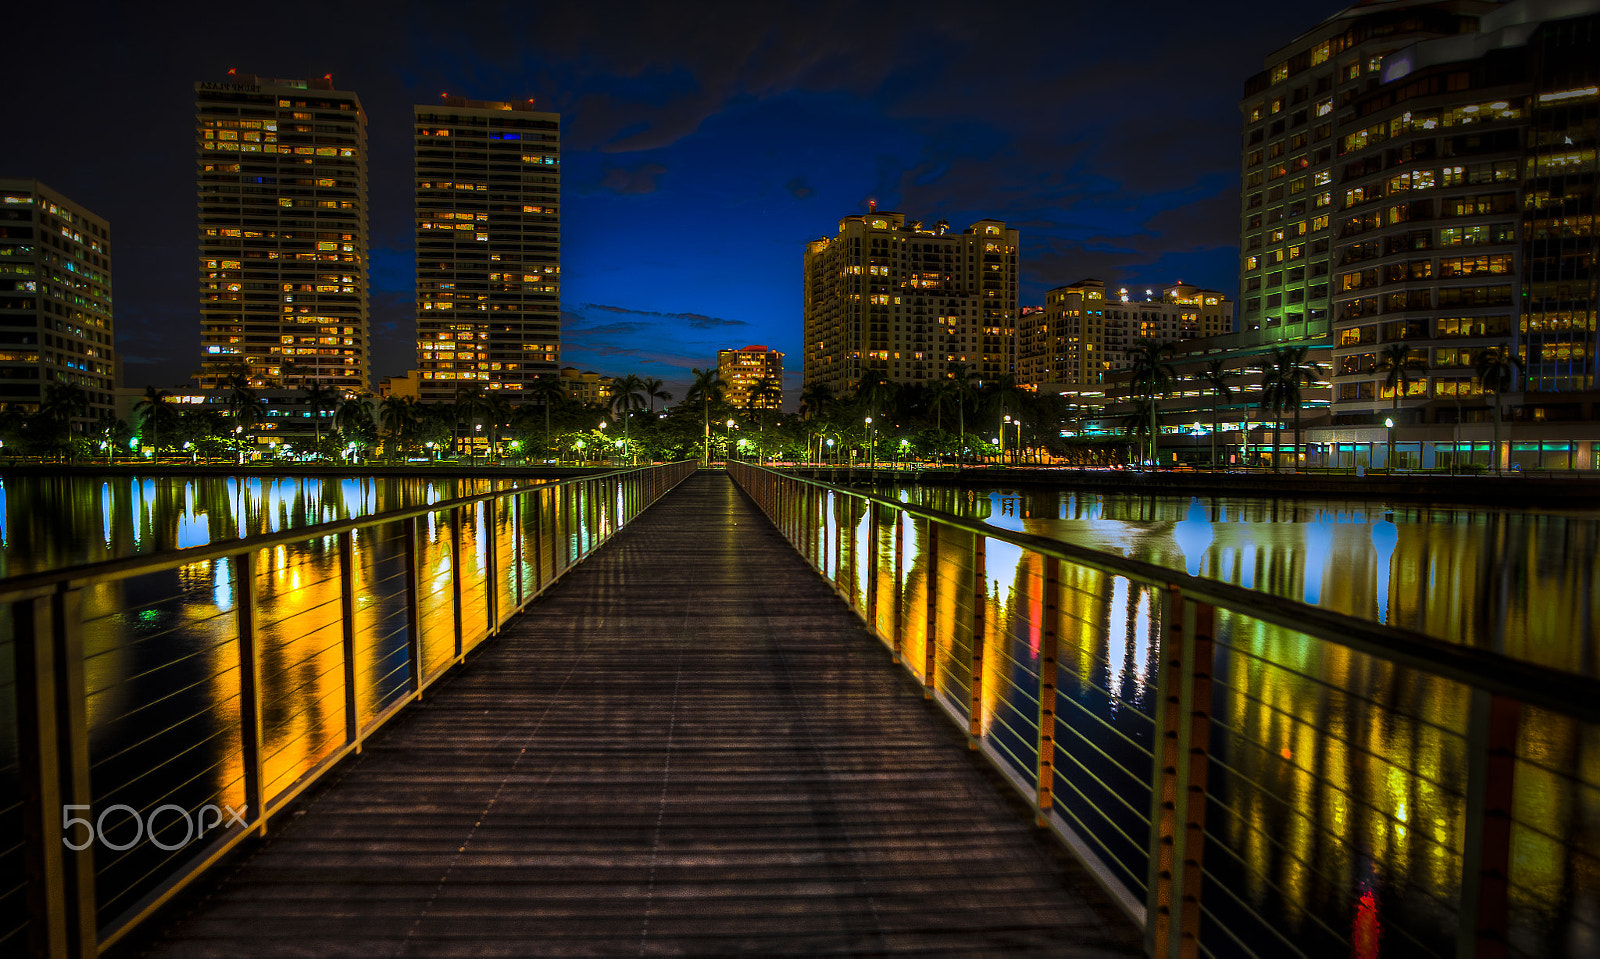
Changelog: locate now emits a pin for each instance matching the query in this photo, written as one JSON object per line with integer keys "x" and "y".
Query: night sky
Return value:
{"x": 703, "y": 145}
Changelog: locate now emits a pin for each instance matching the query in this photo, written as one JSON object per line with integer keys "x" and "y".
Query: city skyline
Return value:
{"x": 700, "y": 153}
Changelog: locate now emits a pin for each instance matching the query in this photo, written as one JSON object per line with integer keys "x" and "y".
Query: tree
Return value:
{"x": 353, "y": 421}
{"x": 398, "y": 416}
{"x": 1216, "y": 376}
{"x": 1151, "y": 376}
{"x": 1290, "y": 371}
{"x": 1397, "y": 364}
{"x": 961, "y": 379}
{"x": 497, "y": 410}
{"x": 319, "y": 397}
{"x": 244, "y": 406}
{"x": 627, "y": 395}
{"x": 470, "y": 406}
{"x": 548, "y": 391}
{"x": 156, "y": 416}
{"x": 653, "y": 390}
{"x": 706, "y": 389}
{"x": 1499, "y": 371}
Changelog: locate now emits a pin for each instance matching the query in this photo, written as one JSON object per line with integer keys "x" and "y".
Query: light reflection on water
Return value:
{"x": 1338, "y": 782}
{"x": 162, "y": 658}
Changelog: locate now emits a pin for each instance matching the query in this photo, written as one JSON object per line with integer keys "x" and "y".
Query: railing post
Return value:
{"x": 1179, "y": 800}
{"x": 1493, "y": 726}
{"x": 898, "y": 626}
{"x": 455, "y": 572}
{"x": 413, "y": 602}
{"x": 872, "y": 565}
{"x": 491, "y": 555}
{"x": 1049, "y": 644}
{"x": 930, "y": 642}
{"x": 980, "y": 604}
{"x": 519, "y": 546}
{"x": 52, "y": 741}
{"x": 538, "y": 539}
{"x": 347, "y": 615}
{"x": 252, "y": 736}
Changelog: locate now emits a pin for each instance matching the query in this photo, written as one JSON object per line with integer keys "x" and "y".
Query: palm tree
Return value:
{"x": 319, "y": 397}
{"x": 243, "y": 405}
{"x": 398, "y": 415}
{"x": 653, "y": 391}
{"x": 706, "y": 389}
{"x": 1290, "y": 371}
{"x": 155, "y": 414}
{"x": 1151, "y": 377}
{"x": 815, "y": 401}
{"x": 1137, "y": 422}
{"x": 961, "y": 378}
{"x": 470, "y": 405}
{"x": 1499, "y": 371}
{"x": 353, "y": 419}
{"x": 548, "y": 390}
{"x": 626, "y": 395}
{"x": 1397, "y": 363}
{"x": 1216, "y": 376}
{"x": 497, "y": 409}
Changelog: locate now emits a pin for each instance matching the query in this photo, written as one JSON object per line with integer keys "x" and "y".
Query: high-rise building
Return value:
{"x": 488, "y": 219}
{"x": 1086, "y": 331}
{"x": 282, "y": 173}
{"x": 55, "y": 298}
{"x": 1420, "y": 177}
{"x": 742, "y": 369}
{"x": 886, "y": 294}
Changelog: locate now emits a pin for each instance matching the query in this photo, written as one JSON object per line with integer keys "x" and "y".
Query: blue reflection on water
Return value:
{"x": 1384, "y": 537}
{"x": 1194, "y": 536}
{"x": 1318, "y": 549}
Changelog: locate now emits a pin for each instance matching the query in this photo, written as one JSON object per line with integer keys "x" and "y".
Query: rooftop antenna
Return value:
{"x": 872, "y": 206}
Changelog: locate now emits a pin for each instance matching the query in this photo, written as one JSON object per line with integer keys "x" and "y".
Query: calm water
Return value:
{"x": 1337, "y": 782}
{"x": 50, "y": 522}
{"x": 162, "y": 657}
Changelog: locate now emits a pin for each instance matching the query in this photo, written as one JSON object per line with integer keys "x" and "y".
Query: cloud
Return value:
{"x": 638, "y": 180}
{"x": 698, "y": 321}
{"x": 798, "y": 188}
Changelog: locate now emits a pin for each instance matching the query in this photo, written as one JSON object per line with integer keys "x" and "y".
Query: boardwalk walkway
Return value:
{"x": 688, "y": 747}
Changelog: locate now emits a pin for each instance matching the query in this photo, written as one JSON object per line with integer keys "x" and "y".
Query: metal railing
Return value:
{"x": 168, "y": 706}
{"x": 1243, "y": 773}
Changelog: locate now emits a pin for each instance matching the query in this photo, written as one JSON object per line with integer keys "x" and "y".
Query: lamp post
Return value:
{"x": 905, "y": 451}
{"x": 872, "y": 447}
{"x": 830, "y": 450}
{"x": 729, "y": 450}
{"x": 1388, "y": 423}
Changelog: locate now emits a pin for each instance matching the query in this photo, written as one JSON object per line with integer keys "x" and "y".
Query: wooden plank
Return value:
{"x": 689, "y": 745}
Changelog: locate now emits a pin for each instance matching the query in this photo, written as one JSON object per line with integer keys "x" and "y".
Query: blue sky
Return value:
{"x": 703, "y": 144}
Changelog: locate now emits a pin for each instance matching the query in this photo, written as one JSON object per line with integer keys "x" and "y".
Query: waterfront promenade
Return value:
{"x": 688, "y": 746}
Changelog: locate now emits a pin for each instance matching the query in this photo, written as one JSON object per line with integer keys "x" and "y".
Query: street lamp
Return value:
{"x": 905, "y": 450}
{"x": 1388, "y": 423}
{"x": 830, "y": 449}
{"x": 872, "y": 454}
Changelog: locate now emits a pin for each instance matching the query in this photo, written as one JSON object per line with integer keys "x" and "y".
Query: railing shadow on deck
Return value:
{"x": 162, "y": 708}
{"x": 1244, "y": 773}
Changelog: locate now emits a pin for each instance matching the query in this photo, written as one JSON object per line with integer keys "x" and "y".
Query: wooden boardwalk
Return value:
{"x": 689, "y": 747}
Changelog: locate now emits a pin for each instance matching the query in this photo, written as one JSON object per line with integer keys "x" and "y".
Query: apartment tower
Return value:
{"x": 887, "y": 294}
{"x": 282, "y": 172}
{"x": 1086, "y": 331}
{"x": 488, "y": 229}
{"x": 1422, "y": 176}
{"x": 55, "y": 298}
{"x": 742, "y": 369}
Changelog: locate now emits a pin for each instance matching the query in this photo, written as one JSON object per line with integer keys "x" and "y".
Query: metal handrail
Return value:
{"x": 1568, "y": 693}
{"x": 1155, "y": 866}
{"x": 559, "y": 523}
